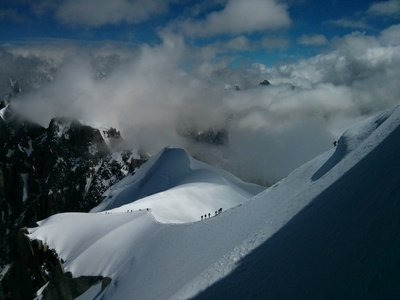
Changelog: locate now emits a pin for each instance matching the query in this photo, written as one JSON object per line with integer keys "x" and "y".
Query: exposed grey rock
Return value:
{"x": 265, "y": 82}
{"x": 44, "y": 171}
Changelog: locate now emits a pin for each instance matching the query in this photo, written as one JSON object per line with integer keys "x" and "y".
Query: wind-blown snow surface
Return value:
{"x": 331, "y": 229}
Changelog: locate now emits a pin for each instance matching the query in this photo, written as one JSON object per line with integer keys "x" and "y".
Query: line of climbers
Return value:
{"x": 139, "y": 210}
{"x": 128, "y": 211}
{"x": 217, "y": 212}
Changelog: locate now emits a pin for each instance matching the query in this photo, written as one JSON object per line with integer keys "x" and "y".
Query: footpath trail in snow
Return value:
{"x": 329, "y": 230}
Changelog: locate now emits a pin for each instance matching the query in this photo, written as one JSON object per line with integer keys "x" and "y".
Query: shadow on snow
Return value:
{"x": 344, "y": 244}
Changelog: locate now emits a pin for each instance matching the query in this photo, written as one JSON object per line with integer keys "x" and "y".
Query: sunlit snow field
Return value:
{"x": 149, "y": 256}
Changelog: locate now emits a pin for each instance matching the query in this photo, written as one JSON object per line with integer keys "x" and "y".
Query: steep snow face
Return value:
{"x": 359, "y": 135}
{"x": 177, "y": 189}
{"x": 343, "y": 244}
{"x": 329, "y": 230}
{"x": 113, "y": 238}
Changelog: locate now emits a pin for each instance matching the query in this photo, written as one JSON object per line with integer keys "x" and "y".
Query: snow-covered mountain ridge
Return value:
{"x": 177, "y": 189}
{"x": 329, "y": 230}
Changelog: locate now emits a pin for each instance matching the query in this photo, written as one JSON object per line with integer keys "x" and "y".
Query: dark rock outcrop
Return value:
{"x": 44, "y": 171}
{"x": 34, "y": 266}
{"x": 265, "y": 82}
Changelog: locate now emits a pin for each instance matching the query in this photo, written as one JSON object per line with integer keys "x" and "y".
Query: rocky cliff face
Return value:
{"x": 37, "y": 267}
{"x": 43, "y": 171}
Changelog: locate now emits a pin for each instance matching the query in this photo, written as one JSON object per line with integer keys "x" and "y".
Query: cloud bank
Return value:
{"x": 385, "y": 8}
{"x": 312, "y": 40}
{"x": 95, "y": 13}
{"x": 155, "y": 94}
{"x": 234, "y": 18}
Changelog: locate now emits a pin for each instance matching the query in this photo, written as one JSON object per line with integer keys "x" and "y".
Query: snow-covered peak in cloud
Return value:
{"x": 176, "y": 188}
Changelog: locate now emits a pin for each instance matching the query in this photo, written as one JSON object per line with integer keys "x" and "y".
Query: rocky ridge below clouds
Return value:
{"x": 43, "y": 171}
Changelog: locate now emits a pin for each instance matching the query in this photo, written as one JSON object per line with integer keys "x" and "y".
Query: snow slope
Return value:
{"x": 331, "y": 229}
{"x": 177, "y": 188}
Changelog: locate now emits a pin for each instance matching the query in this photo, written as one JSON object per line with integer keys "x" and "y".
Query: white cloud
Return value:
{"x": 153, "y": 93}
{"x": 242, "y": 43}
{"x": 239, "y": 17}
{"x": 275, "y": 42}
{"x": 348, "y": 23}
{"x": 391, "y": 36}
{"x": 312, "y": 40}
{"x": 385, "y": 8}
{"x": 94, "y": 13}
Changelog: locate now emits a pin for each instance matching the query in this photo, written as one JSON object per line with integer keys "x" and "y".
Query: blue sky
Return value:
{"x": 269, "y": 30}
